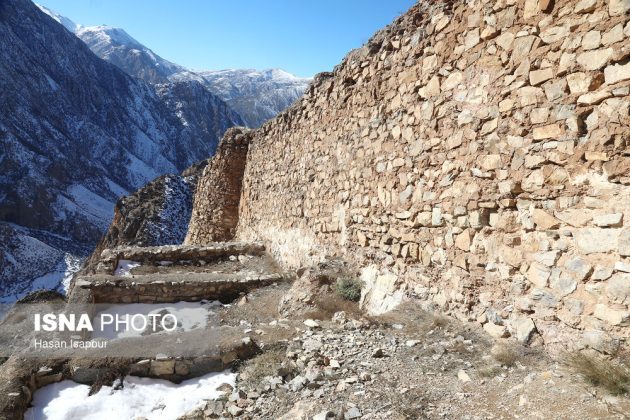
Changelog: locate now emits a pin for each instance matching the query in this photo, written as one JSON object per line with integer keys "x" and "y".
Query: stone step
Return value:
{"x": 180, "y": 254}
{"x": 174, "y": 287}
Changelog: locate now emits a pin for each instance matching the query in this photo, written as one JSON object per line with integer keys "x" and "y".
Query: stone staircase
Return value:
{"x": 165, "y": 274}
{"x": 220, "y": 271}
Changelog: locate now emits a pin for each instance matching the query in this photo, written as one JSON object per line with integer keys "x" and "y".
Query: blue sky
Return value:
{"x": 303, "y": 37}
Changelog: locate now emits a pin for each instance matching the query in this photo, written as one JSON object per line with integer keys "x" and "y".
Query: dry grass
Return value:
{"x": 327, "y": 306}
{"x": 439, "y": 321}
{"x": 612, "y": 375}
{"x": 506, "y": 355}
{"x": 490, "y": 371}
{"x": 416, "y": 321}
{"x": 255, "y": 370}
{"x": 408, "y": 405}
{"x": 261, "y": 307}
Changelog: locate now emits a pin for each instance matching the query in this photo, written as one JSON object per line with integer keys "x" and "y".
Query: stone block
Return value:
{"x": 616, "y": 73}
{"x": 595, "y": 59}
{"x": 608, "y": 220}
{"x": 525, "y": 329}
{"x": 551, "y": 131}
{"x": 613, "y": 316}
{"x": 623, "y": 247}
{"x": 436, "y": 217}
{"x": 463, "y": 240}
{"x": 579, "y": 82}
{"x": 591, "y": 40}
{"x": 585, "y": 6}
{"x": 613, "y": 35}
{"x": 595, "y": 240}
{"x": 162, "y": 367}
{"x": 538, "y": 275}
{"x": 544, "y": 221}
{"x": 618, "y": 287}
{"x": 579, "y": 268}
{"x": 618, "y": 7}
{"x": 563, "y": 285}
{"x": 496, "y": 331}
{"x": 537, "y": 77}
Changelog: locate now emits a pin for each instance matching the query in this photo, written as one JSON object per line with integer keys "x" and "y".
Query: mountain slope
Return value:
{"x": 77, "y": 132}
{"x": 120, "y": 49}
{"x": 257, "y": 96}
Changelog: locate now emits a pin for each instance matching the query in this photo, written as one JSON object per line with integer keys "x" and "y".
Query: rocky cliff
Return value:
{"x": 473, "y": 155}
{"x": 156, "y": 214}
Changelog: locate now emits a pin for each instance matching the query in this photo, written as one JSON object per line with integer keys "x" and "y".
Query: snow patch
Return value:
{"x": 153, "y": 399}
{"x": 124, "y": 267}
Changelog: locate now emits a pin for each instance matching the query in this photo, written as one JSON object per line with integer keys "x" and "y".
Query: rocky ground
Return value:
{"x": 333, "y": 362}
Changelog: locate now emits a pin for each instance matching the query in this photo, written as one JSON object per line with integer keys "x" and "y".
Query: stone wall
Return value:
{"x": 215, "y": 208}
{"x": 474, "y": 155}
{"x": 175, "y": 288}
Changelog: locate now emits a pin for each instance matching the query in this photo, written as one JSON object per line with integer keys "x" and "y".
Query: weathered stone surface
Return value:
{"x": 552, "y": 131}
{"x": 537, "y": 77}
{"x": 496, "y": 331}
{"x": 162, "y": 367}
{"x": 525, "y": 328}
{"x": 612, "y": 315}
{"x": 592, "y": 240}
{"x": 618, "y": 7}
{"x": 554, "y": 34}
{"x": 624, "y": 242}
{"x": 609, "y": 220}
{"x": 616, "y": 73}
{"x": 613, "y": 35}
{"x": 595, "y": 59}
{"x": 463, "y": 240}
{"x": 591, "y": 40}
{"x": 618, "y": 287}
{"x": 579, "y": 82}
{"x": 538, "y": 274}
{"x": 563, "y": 285}
{"x": 579, "y": 268}
{"x": 585, "y": 6}
{"x": 544, "y": 220}
{"x": 593, "y": 98}
{"x": 547, "y": 258}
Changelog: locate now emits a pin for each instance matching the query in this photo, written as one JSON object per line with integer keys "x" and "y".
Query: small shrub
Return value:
{"x": 439, "y": 321}
{"x": 254, "y": 371}
{"x": 505, "y": 355}
{"x": 326, "y": 306}
{"x": 490, "y": 371}
{"x": 610, "y": 375}
{"x": 349, "y": 288}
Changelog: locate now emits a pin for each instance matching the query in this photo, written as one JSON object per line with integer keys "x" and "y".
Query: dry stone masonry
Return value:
{"x": 475, "y": 155}
{"x": 174, "y": 273}
{"x": 220, "y": 191}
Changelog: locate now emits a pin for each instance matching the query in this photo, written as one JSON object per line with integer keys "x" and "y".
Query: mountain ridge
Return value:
{"x": 256, "y": 95}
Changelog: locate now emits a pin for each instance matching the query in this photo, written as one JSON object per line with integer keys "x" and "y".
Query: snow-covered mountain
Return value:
{"x": 256, "y": 96}
{"x": 77, "y": 133}
{"x": 119, "y": 48}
